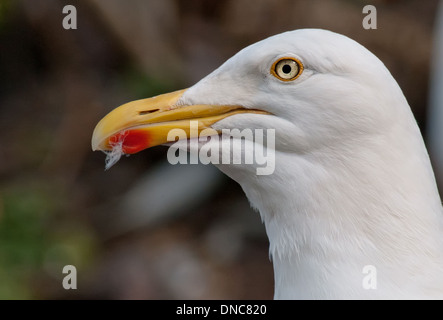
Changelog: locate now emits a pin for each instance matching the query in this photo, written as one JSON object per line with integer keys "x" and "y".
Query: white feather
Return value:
{"x": 353, "y": 185}
{"x": 113, "y": 156}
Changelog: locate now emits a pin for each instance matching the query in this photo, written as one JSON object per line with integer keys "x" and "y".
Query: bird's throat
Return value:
{"x": 328, "y": 220}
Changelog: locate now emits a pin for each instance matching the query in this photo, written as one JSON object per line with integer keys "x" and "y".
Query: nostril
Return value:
{"x": 141, "y": 113}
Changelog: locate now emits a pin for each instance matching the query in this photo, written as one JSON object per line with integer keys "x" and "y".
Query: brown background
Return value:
{"x": 146, "y": 229}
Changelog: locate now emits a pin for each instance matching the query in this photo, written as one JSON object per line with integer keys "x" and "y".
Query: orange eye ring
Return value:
{"x": 287, "y": 69}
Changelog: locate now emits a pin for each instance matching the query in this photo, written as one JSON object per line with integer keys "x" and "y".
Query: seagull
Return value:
{"x": 352, "y": 209}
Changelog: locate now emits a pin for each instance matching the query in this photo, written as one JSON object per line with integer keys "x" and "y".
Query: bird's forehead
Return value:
{"x": 318, "y": 49}
{"x": 270, "y": 48}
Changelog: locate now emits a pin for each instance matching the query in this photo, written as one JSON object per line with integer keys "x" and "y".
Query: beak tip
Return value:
{"x": 97, "y": 138}
{"x": 95, "y": 146}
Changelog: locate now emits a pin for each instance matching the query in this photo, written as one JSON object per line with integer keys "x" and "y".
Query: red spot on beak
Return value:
{"x": 132, "y": 141}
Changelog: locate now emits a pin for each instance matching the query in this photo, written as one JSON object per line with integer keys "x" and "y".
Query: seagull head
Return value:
{"x": 352, "y": 183}
{"x": 313, "y": 87}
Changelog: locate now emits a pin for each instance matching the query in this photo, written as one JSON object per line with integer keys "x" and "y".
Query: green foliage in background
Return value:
{"x": 22, "y": 240}
{"x": 5, "y": 10}
{"x": 142, "y": 85}
{"x": 35, "y": 242}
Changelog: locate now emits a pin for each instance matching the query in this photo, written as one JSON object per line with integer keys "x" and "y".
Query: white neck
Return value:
{"x": 327, "y": 217}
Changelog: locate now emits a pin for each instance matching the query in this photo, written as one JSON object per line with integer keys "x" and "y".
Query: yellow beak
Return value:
{"x": 146, "y": 123}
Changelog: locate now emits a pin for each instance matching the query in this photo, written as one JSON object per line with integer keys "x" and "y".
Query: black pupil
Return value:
{"x": 286, "y": 68}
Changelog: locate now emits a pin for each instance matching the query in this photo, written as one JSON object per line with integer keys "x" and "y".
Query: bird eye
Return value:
{"x": 287, "y": 69}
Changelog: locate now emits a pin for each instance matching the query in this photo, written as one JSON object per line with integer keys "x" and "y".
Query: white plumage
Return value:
{"x": 353, "y": 185}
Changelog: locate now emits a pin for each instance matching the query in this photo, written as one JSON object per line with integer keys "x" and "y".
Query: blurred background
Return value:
{"x": 146, "y": 229}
